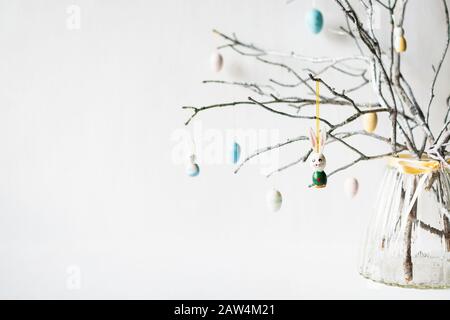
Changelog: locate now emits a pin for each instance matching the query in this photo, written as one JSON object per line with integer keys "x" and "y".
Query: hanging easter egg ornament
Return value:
{"x": 216, "y": 61}
{"x": 236, "y": 152}
{"x": 318, "y": 160}
{"x": 370, "y": 121}
{"x": 351, "y": 186}
{"x": 192, "y": 168}
{"x": 400, "y": 41}
{"x": 274, "y": 200}
{"x": 314, "y": 20}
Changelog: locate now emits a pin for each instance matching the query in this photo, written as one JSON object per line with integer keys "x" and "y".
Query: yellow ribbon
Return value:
{"x": 317, "y": 117}
{"x": 407, "y": 164}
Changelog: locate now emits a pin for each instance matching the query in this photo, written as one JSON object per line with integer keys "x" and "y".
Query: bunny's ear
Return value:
{"x": 312, "y": 138}
{"x": 323, "y": 140}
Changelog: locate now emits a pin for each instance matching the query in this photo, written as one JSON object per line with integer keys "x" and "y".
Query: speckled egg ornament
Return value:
{"x": 351, "y": 186}
{"x": 216, "y": 61}
{"x": 235, "y": 152}
{"x": 399, "y": 39}
{"x": 192, "y": 168}
{"x": 370, "y": 121}
{"x": 274, "y": 200}
{"x": 314, "y": 20}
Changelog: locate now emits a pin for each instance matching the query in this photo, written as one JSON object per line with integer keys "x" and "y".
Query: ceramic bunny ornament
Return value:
{"x": 317, "y": 160}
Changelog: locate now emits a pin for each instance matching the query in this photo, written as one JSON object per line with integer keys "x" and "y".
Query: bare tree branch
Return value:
{"x": 441, "y": 61}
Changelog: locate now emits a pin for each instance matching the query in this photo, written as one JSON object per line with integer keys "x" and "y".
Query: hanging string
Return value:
{"x": 192, "y": 146}
{"x": 235, "y": 122}
{"x": 317, "y": 117}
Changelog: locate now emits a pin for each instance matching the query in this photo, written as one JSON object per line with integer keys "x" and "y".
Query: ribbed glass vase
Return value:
{"x": 408, "y": 239}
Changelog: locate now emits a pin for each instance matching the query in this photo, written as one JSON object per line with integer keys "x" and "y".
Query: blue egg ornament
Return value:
{"x": 236, "y": 152}
{"x": 314, "y": 20}
{"x": 192, "y": 169}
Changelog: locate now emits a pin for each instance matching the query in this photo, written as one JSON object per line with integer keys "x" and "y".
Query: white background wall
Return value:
{"x": 89, "y": 186}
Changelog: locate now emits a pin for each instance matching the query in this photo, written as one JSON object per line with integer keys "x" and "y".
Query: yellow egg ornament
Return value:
{"x": 370, "y": 121}
{"x": 400, "y": 41}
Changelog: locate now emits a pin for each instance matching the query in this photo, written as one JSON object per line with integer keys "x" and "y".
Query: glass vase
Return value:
{"x": 408, "y": 239}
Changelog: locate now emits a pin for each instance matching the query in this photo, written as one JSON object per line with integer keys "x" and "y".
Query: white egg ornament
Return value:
{"x": 274, "y": 200}
{"x": 235, "y": 152}
{"x": 399, "y": 40}
{"x": 351, "y": 186}
{"x": 192, "y": 168}
{"x": 314, "y": 20}
{"x": 216, "y": 61}
{"x": 370, "y": 121}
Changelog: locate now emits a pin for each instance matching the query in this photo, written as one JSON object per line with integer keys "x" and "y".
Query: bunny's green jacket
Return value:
{"x": 319, "y": 179}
